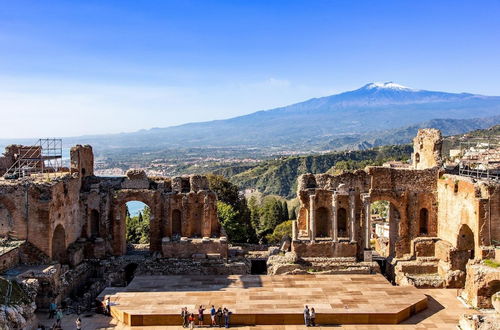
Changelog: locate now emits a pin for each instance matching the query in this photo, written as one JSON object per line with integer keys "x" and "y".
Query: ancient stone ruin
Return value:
{"x": 69, "y": 227}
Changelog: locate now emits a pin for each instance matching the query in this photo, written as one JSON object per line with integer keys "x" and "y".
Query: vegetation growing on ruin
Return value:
{"x": 491, "y": 263}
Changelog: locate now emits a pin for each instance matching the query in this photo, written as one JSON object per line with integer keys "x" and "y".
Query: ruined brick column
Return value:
{"x": 335, "y": 205}
{"x": 186, "y": 230}
{"x": 367, "y": 208}
{"x": 352, "y": 206}
{"x": 312, "y": 227}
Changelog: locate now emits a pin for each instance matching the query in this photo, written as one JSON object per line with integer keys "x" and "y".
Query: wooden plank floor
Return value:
{"x": 262, "y": 299}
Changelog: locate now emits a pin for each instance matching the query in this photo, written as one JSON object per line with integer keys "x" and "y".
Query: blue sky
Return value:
{"x": 69, "y": 68}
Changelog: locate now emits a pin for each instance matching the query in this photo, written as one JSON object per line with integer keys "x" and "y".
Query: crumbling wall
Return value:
{"x": 82, "y": 160}
{"x": 13, "y": 210}
{"x": 481, "y": 283}
{"x": 427, "y": 149}
{"x": 462, "y": 202}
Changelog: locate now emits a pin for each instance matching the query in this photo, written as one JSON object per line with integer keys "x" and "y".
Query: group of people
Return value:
{"x": 57, "y": 313}
{"x": 218, "y": 317}
{"x": 309, "y": 317}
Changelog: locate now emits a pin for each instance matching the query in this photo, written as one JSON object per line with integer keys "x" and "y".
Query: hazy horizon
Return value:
{"x": 88, "y": 68}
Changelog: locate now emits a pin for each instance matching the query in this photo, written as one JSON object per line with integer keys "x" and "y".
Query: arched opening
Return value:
{"x": 196, "y": 214}
{"x": 323, "y": 223}
{"x": 484, "y": 294}
{"x": 385, "y": 220}
{"x": 424, "y": 222}
{"x": 137, "y": 219}
{"x": 342, "y": 222}
{"x": 176, "y": 224}
{"x": 465, "y": 240}
{"x": 94, "y": 223}
{"x": 59, "y": 244}
{"x": 417, "y": 158}
{"x": 5, "y": 221}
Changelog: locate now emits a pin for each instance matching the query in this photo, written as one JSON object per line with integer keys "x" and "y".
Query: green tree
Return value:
{"x": 284, "y": 208}
{"x": 229, "y": 218}
{"x": 270, "y": 215}
{"x": 237, "y": 220}
{"x": 281, "y": 230}
{"x": 138, "y": 227}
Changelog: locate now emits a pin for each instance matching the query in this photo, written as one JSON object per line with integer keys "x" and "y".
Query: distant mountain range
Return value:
{"x": 375, "y": 114}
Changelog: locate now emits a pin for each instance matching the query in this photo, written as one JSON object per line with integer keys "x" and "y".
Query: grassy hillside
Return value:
{"x": 280, "y": 176}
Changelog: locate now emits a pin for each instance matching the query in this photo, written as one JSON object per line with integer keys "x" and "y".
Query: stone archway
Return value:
{"x": 59, "y": 244}
{"x": 342, "y": 222}
{"x": 399, "y": 226}
{"x": 423, "y": 223}
{"x": 397, "y": 221}
{"x": 322, "y": 221}
{"x": 119, "y": 226}
{"x": 465, "y": 240}
{"x": 484, "y": 294}
{"x": 176, "y": 224}
{"x": 94, "y": 223}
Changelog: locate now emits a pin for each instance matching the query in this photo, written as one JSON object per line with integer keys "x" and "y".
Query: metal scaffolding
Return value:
{"x": 480, "y": 158}
{"x": 44, "y": 156}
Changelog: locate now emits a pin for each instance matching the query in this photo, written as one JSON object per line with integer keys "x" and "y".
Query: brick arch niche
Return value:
{"x": 396, "y": 218}
{"x": 119, "y": 210}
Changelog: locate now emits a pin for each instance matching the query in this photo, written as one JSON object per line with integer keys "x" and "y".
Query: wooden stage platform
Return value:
{"x": 263, "y": 299}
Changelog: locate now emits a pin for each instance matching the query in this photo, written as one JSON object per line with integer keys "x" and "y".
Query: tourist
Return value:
{"x": 226, "y": 313}
{"x": 191, "y": 321}
{"x": 200, "y": 315}
{"x": 312, "y": 317}
{"x": 306, "y": 316}
{"x": 184, "y": 316}
{"x": 59, "y": 316}
{"x": 52, "y": 309}
{"x": 212, "y": 315}
{"x": 219, "y": 317}
{"x": 78, "y": 323}
{"x": 108, "y": 306}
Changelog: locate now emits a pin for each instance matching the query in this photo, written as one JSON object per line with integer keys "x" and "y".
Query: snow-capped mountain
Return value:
{"x": 372, "y": 108}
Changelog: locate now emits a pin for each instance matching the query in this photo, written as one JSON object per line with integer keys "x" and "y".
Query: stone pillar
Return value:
{"x": 294, "y": 230}
{"x": 186, "y": 229}
{"x": 206, "y": 220}
{"x": 335, "y": 206}
{"x": 367, "y": 210}
{"x": 352, "y": 207}
{"x": 312, "y": 225}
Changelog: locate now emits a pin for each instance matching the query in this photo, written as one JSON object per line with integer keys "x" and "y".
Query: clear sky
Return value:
{"x": 84, "y": 67}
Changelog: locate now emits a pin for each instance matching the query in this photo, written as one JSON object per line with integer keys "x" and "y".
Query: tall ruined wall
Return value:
{"x": 412, "y": 193}
{"x": 427, "y": 149}
{"x": 82, "y": 160}
{"x": 322, "y": 186}
{"x": 64, "y": 211}
{"x": 462, "y": 202}
{"x": 13, "y": 210}
{"x": 180, "y": 207}
{"x": 31, "y": 210}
